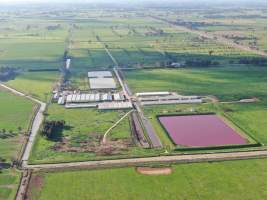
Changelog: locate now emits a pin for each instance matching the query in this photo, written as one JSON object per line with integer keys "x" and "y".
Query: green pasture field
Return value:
{"x": 9, "y": 181}
{"x": 29, "y": 44}
{"x": 81, "y": 124}
{"x": 251, "y": 117}
{"x": 15, "y": 116}
{"x": 231, "y": 83}
{"x": 36, "y": 84}
{"x": 15, "y": 112}
{"x": 122, "y": 130}
{"x": 215, "y": 180}
{"x": 86, "y": 52}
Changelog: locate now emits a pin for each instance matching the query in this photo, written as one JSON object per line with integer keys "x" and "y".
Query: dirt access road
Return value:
{"x": 160, "y": 159}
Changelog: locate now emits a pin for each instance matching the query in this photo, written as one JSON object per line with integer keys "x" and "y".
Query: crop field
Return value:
{"x": 9, "y": 180}
{"x": 247, "y": 27}
{"x": 224, "y": 83}
{"x": 187, "y": 50}
{"x": 137, "y": 41}
{"x": 229, "y": 180}
{"x": 32, "y": 43}
{"x": 16, "y": 113}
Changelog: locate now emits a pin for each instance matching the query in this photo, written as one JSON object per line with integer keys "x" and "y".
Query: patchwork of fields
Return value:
{"x": 154, "y": 54}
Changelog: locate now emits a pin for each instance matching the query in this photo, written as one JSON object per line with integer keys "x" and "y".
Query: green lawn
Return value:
{"x": 16, "y": 113}
{"x": 36, "y": 84}
{"x": 225, "y": 83}
{"x": 9, "y": 181}
{"x": 223, "y": 180}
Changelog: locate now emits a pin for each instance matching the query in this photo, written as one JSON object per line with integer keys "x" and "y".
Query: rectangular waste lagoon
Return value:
{"x": 200, "y": 131}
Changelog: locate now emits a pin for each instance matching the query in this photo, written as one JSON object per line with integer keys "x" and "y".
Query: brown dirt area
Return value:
{"x": 154, "y": 171}
{"x": 94, "y": 145}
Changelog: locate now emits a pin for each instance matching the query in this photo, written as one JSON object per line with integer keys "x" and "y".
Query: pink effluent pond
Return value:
{"x": 200, "y": 131}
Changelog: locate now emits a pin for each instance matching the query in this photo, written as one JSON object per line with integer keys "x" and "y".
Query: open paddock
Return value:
{"x": 214, "y": 180}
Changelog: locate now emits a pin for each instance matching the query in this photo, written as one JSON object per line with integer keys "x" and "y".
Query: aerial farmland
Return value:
{"x": 133, "y": 101}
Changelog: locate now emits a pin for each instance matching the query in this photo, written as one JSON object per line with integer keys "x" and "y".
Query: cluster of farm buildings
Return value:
{"x": 160, "y": 98}
{"x": 104, "y": 94}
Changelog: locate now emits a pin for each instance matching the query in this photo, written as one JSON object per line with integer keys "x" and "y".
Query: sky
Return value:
{"x": 120, "y": 1}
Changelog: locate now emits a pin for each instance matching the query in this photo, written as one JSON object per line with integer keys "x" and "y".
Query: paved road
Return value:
{"x": 125, "y": 91}
{"x": 37, "y": 121}
{"x": 155, "y": 141}
{"x": 211, "y": 36}
{"x": 111, "y": 56}
{"x": 159, "y": 159}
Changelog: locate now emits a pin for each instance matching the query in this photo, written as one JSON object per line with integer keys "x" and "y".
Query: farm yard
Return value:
{"x": 208, "y": 66}
{"x": 229, "y": 180}
{"x": 81, "y": 138}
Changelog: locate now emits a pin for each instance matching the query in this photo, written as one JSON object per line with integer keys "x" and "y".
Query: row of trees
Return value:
{"x": 201, "y": 63}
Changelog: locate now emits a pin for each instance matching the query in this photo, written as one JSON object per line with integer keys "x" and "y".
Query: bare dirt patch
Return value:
{"x": 93, "y": 144}
{"x": 154, "y": 171}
